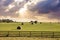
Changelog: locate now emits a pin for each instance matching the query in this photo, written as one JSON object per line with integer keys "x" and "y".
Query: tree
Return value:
{"x": 3, "y": 20}
{"x": 40, "y": 22}
{"x": 0, "y": 20}
{"x": 22, "y": 23}
{"x": 35, "y": 22}
{"x": 58, "y": 22}
{"x": 6, "y": 20}
{"x": 32, "y": 22}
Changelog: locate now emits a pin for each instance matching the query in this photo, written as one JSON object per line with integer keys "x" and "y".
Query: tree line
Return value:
{"x": 6, "y": 20}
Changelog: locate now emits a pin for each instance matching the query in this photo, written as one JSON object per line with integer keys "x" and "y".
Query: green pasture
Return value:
{"x": 30, "y": 27}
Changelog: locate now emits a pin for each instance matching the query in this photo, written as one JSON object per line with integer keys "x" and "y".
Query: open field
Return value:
{"x": 30, "y": 27}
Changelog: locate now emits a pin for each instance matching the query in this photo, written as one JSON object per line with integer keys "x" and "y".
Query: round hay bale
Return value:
{"x": 18, "y": 27}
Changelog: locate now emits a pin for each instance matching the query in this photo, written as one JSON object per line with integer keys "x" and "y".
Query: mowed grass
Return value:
{"x": 30, "y": 27}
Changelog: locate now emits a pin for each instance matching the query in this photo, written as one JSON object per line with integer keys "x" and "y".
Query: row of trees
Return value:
{"x": 32, "y": 22}
{"x": 6, "y": 20}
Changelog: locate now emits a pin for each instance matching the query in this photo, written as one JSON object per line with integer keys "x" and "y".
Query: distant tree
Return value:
{"x": 6, "y": 20}
{"x": 32, "y": 22}
{"x": 0, "y": 20}
{"x": 40, "y": 22}
{"x": 58, "y": 22}
{"x": 22, "y": 23}
{"x": 35, "y": 22}
{"x": 11, "y": 20}
{"x": 50, "y": 22}
{"x": 3, "y": 20}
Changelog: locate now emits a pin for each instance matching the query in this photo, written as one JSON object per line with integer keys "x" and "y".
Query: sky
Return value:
{"x": 27, "y": 10}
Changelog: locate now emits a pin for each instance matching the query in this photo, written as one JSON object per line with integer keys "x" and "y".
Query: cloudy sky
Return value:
{"x": 27, "y": 10}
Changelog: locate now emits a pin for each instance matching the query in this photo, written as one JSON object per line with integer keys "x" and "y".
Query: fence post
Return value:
{"x": 19, "y": 34}
{"x": 53, "y": 35}
{"x": 30, "y": 33}
{"x": 7, "y": 34}
{"x": 41, "y": 34}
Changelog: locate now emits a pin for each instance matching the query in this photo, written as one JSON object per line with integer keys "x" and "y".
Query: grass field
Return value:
{"x": 29, "y": 27}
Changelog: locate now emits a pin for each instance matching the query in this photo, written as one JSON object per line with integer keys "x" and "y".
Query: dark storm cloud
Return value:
{"x": 7, "y": 2}
{"x": 50, "y": 7}
{"x": 46, "y": 6}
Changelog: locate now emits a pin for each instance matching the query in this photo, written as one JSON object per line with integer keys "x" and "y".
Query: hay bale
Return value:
{"x": 18, "y": 27}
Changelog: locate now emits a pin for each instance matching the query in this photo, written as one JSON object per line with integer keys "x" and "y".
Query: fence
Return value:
{"x": 30, "y": 34}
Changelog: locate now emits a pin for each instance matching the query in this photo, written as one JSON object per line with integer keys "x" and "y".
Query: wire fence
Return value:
{"x": 47, "y": 34}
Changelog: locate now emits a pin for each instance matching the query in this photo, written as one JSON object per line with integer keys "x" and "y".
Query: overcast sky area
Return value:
{"x": 27, "y": 10}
